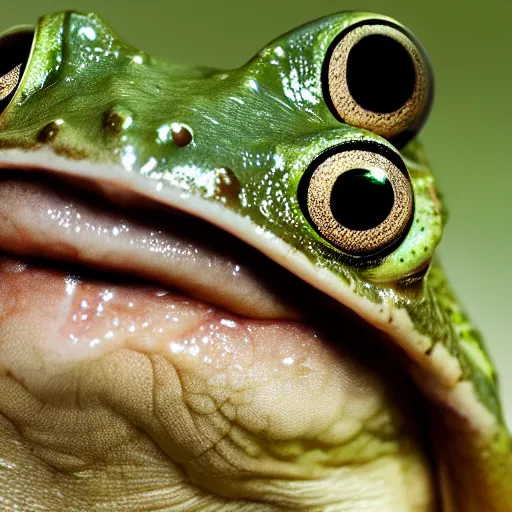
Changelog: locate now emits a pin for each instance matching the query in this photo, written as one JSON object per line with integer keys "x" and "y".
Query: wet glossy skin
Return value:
{"x": 313, "y": 426}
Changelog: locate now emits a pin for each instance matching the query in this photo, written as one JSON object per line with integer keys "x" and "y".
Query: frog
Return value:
{"x": 219, "y": 288}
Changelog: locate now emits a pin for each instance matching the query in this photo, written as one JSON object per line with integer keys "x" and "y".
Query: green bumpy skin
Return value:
{"x": 88, "y": 96}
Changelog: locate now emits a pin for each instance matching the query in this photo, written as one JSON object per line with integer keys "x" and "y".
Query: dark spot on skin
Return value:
{"x": 181, "y": 136}
{"x": 48, "y": 133}
{"x": 112, "y": 123}
{"x": 429, "y": 351}
{"x": 228, "y": 186}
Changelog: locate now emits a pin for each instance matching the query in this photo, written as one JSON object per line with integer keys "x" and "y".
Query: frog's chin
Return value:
{"x": 155, "y": 367}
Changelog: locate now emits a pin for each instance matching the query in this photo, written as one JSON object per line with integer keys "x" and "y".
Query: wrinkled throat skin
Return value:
{"x": 196, "y": 312}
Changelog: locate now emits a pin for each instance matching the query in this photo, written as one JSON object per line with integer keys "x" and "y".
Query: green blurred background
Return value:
{"x": 467, "y": 137}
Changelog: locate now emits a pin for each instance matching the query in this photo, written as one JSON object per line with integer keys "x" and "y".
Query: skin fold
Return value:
{"x": 183, "y": 325}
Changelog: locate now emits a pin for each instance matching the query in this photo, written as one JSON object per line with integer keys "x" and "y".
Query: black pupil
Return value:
{"x": 362, "y": 199}
{"x": 380, "y": 74}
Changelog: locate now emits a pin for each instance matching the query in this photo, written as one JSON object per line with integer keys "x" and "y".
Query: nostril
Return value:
{"x": 117, "y": 120}
{"x": 181, "y": 135}
{"x": 113, "y": 122}
{"x": 50, "y": 131}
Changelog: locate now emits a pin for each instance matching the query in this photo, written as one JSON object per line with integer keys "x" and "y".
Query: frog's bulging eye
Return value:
{"x": 15, "y": 49}
{"x": 378, "y": 77}
{"x": 359, "y": 198}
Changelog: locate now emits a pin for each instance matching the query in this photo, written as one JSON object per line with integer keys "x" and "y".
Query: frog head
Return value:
{"x": 302, "y": 168}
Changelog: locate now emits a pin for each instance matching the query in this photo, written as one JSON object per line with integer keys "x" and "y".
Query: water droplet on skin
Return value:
{"x": 228, "y": 323}
{"x": 88, "y": 33}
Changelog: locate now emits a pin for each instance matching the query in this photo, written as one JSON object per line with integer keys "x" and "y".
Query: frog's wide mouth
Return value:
{"x": 44, "y": 217}
{"x": 90, "y": 290}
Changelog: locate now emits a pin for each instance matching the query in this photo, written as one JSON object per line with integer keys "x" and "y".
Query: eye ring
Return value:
{"x": 360, "y": 173}
{"x": 378, "y": 77}
{"x": 15, "y": 48}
